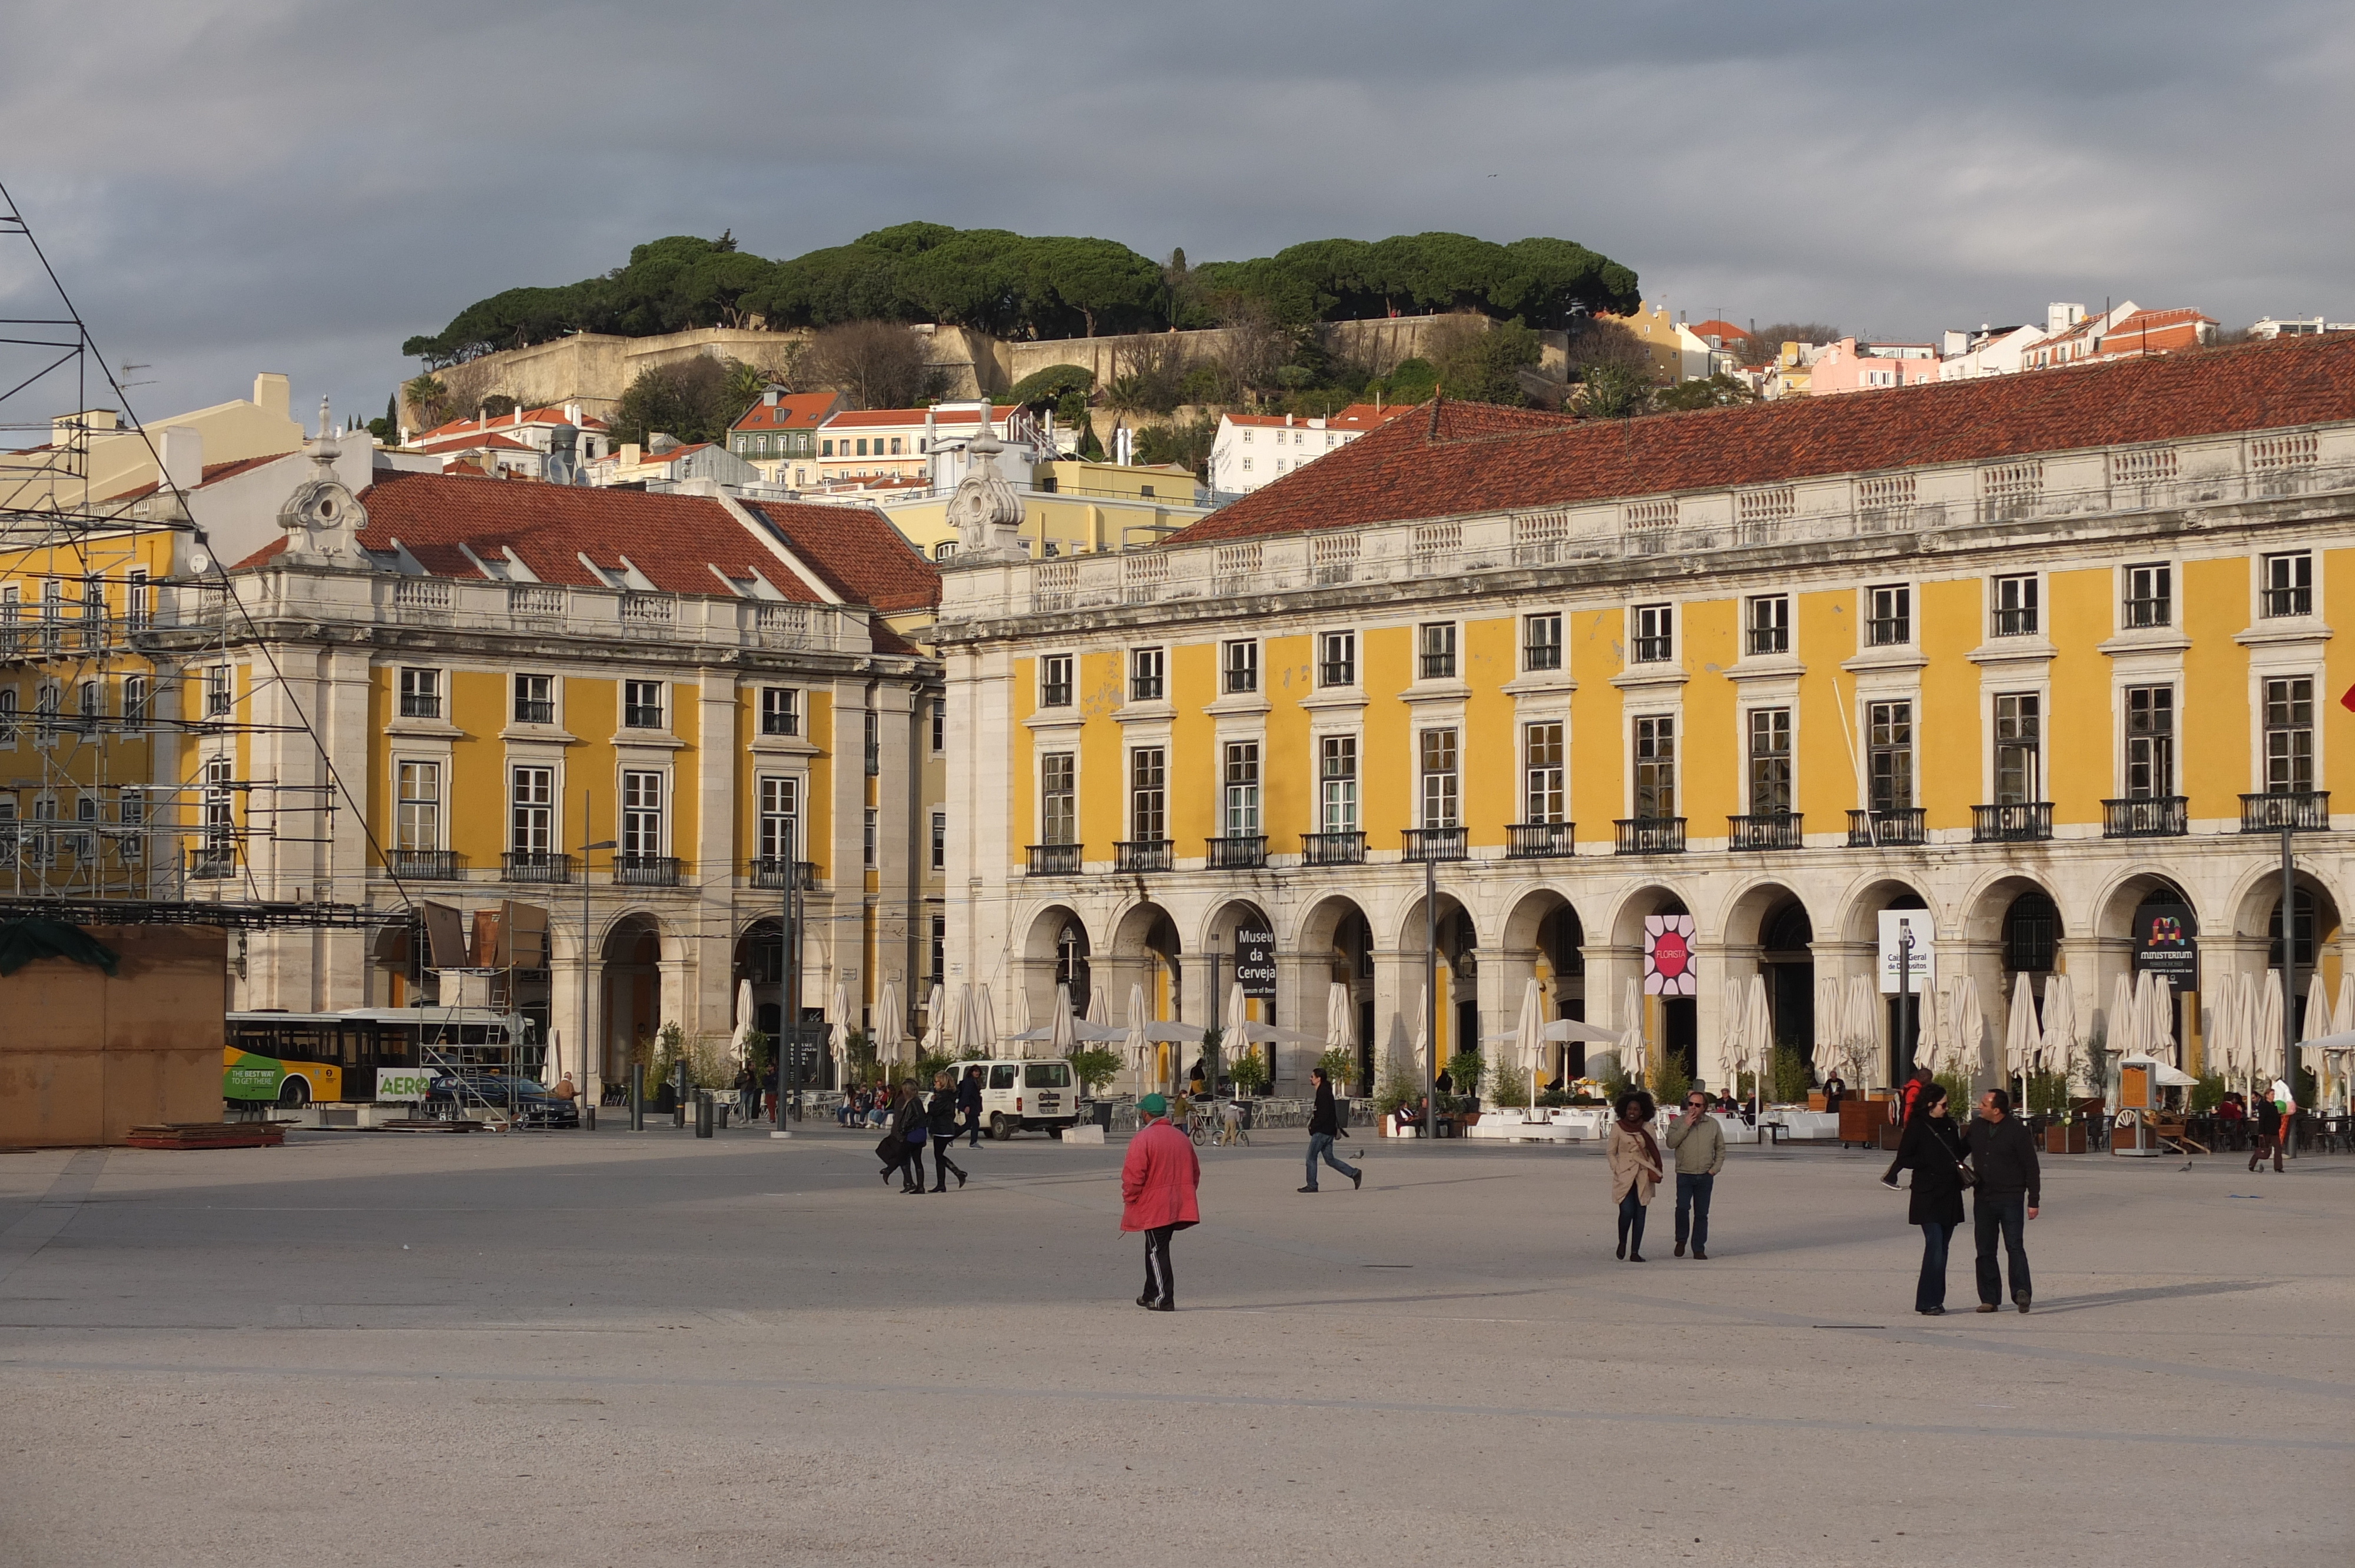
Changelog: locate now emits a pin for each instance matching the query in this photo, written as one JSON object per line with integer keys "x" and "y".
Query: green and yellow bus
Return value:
{"x": 302, "y": 1058}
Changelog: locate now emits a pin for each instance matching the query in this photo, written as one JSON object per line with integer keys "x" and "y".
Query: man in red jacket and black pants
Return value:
{"x": 1156, "y": 1196}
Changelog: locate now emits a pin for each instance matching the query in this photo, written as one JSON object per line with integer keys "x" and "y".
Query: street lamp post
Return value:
{"x": 1430, "y": 995}
{"x": 585, "y": 966}
{"x": 2289, "y": 982}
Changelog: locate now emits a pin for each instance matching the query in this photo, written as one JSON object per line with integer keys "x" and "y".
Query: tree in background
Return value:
{"x": 1765, "y": 344}
{"x": 874, "y": 364}
{"x": 430, "y": 396}
{"x": 1184, "y": 445}
{"x": 1614, "y": 392}
{"x": 386, "y": 431}
{"x": 691, "y": 401}
{"x": 1718, "y": 391}
{"x": 1047, "y": 388}
{"x": 1482, "y": 366}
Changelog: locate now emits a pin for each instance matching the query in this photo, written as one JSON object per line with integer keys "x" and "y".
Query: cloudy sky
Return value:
{"x": 288, "y": 186}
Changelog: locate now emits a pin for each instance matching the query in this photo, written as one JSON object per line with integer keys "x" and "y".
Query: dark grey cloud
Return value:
{"x": 237, "y": 184}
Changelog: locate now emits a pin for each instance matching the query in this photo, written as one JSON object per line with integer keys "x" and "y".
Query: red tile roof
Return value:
{"x": 1358, "y": 417}
{"x": 1469, "y": 457}
{"x": 530, "y": 416}
{"x": 1000, "y": 413}
{"x": 467, "y": 442}
{"x": 799, "y": 411}
{"x": 856, "y": 551}
{"x": 667, "y": 537}
{"x": 1719, "y": 329}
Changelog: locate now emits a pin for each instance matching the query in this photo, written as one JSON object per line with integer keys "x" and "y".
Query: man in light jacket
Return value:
{"x": 1156, "y": 1196}
{"x": 1700, "y": 1144}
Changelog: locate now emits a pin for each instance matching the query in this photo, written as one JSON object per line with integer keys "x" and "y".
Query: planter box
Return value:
{"x": 1890, "y": 1134}
{"x": 2068, "y": 1139}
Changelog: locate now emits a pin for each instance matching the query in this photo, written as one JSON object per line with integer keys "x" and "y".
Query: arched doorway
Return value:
{"x": 1786, "y": 960}
{"x": 1670, "y": 1021}
{"x": 1458, "y": 999}
{"x": 761, "y": 959}
{"x": 1338, "y": 929}
{"x": 1544, "y": 940}
{"x": 631, "y": 992}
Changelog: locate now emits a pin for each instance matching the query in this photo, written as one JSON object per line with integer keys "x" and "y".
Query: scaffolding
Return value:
{"x": 126, "y": 790}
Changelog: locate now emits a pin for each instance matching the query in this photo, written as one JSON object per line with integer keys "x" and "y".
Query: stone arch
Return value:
{"x": 1627, "y": 921}
{"x": 1458, "y": 970}
{"x": 1057, "y": 950}
{"x": 1544, "y": 939}
{"x": 1338, "y": 930}
{"x": 1858, "y": 918}
{"x": 1768, "y": 931}
{"x": 633, "y": 1003}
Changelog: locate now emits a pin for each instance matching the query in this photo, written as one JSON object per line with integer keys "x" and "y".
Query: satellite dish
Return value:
{"x": 199, "y": 561}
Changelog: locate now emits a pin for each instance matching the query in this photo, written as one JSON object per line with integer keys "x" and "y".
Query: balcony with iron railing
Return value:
{"x": 535, "y": 710}
{"x": 2012, "y": 822}
{"x": 1648, "y": 835}
{"x": 425, "y": 866}
{"x": 2299, "y": 810}
{"x": 535, "y": 865}
{"x": 1143, "y": 854}
{"x": 645, "y": 870}
{"x": 1541, "y": 841}
{"x": 2146, "y": 817}
{"x": 1765, "y": 831}
{"x": 1434, "y": 843}
{"x": 1054, "y": 860}
{"x": 772, "y": 871}
{"x": 1236, "y": 852}
{"x": 213, "y": 862}
{"x": 1896, "y": 827}
{"x": 1333, "y": 849}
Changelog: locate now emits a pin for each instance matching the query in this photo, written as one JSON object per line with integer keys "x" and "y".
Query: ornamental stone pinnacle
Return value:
{"x": 323, "y": 518}
{"x": 985, "y": 511}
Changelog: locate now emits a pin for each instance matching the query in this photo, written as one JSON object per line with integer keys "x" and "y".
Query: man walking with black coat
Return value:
{"x": 1324, "y": 1127}
{"x": 968, "y": 1104}
{"x": 2008, "y": 1191}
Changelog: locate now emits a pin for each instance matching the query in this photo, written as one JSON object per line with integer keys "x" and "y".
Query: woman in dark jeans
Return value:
{"x": 1933, "y": 1152}
{"x": 942, "y": 1113}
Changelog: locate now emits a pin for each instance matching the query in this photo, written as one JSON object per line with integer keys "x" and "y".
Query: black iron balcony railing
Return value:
{"x": 425, "y": 866}
{"x": 772, "y": 871}
{"x": 536, "y": 865}
{"x": 2146, "y": 817}
{"x": 2301, "y": 811}
{"x": 2019, "y": 823}
{"x": 1648, "y": 835}
{"x": 646, "y": 870}
{"x": 1902, "y": 827}
{"x": 1333, "y": 849}
{"x": 1765, "y": 831}
{"x": 1054, "y": 860}
{"x": 1142, "y": 855}
{"x": 1237, "y": 852}
{"x": 1434, "y": 843}
{"x": 212, "y": 862}
{"x": 1541, "y": 841}
{"x": 535, "y": 710}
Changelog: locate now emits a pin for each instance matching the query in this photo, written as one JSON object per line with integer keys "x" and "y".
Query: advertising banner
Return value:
{"x": 401, "y": 1083}
{"x": 1668, "y": 956}
{"x": 2164, "y": 944}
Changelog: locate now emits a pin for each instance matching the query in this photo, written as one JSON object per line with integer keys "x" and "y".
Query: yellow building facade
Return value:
{"x": 2048, "y": 692}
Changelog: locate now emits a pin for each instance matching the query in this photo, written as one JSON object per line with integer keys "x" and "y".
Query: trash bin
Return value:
{"x": 1100, "y": 1113}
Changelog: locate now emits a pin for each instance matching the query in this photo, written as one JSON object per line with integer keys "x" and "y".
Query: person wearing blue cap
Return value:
{"x": 1156, "y": 1196}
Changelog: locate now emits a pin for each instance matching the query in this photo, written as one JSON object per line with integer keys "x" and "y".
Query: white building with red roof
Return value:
{"x": 519, "y": 443}
{"x": 779, "y": 434}
{"x": 1254, "y": 449}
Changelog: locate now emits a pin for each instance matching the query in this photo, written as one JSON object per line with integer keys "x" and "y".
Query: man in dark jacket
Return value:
{"x": 1324, "y": 1127}
{"x": 2003, "y": 1158}
{"x": 968, "y": 1101}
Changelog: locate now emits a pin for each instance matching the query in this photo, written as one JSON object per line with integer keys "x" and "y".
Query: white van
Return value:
{"x": 1020, "y": 1097}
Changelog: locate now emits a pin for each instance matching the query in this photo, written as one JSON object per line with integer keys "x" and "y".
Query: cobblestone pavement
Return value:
{"x": 608, "y": 1348}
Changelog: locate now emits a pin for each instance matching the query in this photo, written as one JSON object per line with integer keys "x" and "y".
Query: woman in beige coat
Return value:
{"x": 1635, "y": 1169}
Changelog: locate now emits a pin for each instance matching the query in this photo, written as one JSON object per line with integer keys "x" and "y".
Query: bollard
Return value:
{"x": 638, "y": 1096}
{"x": 589, "y": 1118}
{"x": 721, "y": 1110}
{"x": 703, "y": 1113}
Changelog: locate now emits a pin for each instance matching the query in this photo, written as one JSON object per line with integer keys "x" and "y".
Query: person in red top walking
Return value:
{"x": 1156, "y": 1196}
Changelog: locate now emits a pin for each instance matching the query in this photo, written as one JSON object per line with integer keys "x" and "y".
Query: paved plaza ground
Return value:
{"x": 609, "y": 1348}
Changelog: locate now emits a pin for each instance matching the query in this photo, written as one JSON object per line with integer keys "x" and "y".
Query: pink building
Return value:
{"x": 1843, "y": 367}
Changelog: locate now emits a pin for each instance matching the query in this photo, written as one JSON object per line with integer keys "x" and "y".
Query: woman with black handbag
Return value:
{"x": 911, "y": 1124}
{"x": 1932, "y": 1150}
{"x": 941, "y": 1118}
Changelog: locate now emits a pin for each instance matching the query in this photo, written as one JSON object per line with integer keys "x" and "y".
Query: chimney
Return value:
{"x": 274, "y": 394}
{"x": 519, "y": 414}
{"x": 572, "y": 415}
{"x": 1287, "y": 419}
{"x": 769, "y": 395}
{"x": 182, "y": 448}
{"x": 629, "y": 454}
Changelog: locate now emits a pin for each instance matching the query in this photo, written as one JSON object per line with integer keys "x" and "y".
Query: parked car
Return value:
{"x": 450, "y": 1094}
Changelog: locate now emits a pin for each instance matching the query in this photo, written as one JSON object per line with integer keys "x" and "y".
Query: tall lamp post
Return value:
{"x": 789, "y": 975}
{"x": 1430, "y": 995}
{"x": 586, "y": 968}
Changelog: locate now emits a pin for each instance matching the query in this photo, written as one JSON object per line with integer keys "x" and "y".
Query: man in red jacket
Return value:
{"x": 1156, "y": 1196}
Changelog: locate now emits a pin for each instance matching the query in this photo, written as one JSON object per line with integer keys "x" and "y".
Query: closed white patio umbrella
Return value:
{"x": 1421, "y": 1049}
{"x": 1860, "y": 1027}
{"x": 1734, "y": 1048}
{"x": 2064, "y": 1026}
{"x": 1340, "y": 1021}
{"x": 1531, "y": 1034}
{"x": 838, "y": 1033}
{"x": 935, "y": 1042}
{"x": 2123, "y": 1027}
{"x": 1970, "y": 1031}
{"x": 2020, "y": 1032}
{"x": 888, "y": 1035}
{"x": 1758, "y": 1033}
{"x": 1831, "y": 1046}
{"x": 1021, "y": 1016}
{"x": 1062, "y": 1039}
{"x": 744, "y": 1016}
{"x": 984, "y": 1022}
{"x": 1136, "y": 1043}
{"x": 1633, "y": 1056}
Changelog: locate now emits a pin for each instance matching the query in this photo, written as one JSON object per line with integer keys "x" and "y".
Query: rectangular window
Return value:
{"x": 1541, "y": 645}
{"x": 781, "y": 710}
{"x": 1653, "y": 629}
{"x": 7, "y": 716}
{"x": 939, "y": 724}
{"x": 2018, "y": 748}
{"x": 1767, "y": 628}
{"x": 825, "y": 447}
{"x": 2151, "y": 742}
{"x": 1889, "y": 616}
{"x": 874, "y": 743}
{"x": 642, "y": 812}
{"x": 134, "y": 699}
{"x": 940, "y": 840}
{"x": 2150, "y": 595}
{"x": 45, "y": 714}
{"x": 1542, "y": 758}
{"x": 1059, "y": 809}
{"x": 1238, "y": 666}
{"x": 641, "y": 704}
{"x": 53, "y": 614}
{"x": 2016, "y": 606}
{"x": 2289, "y": 736}
{"x": 1337, "y": 783}
{"x": 2289, "y": 584}
{"x": 1891, "y": 750}
{"x": 1055, "y": 681}
{"x": 1144, "y": 675}
{"x": 940, "y": 949}
{"x": 1440, "y": 787}
{"x": 219, "y": 689}
{"x": 866, "y": 841}
{"x": 532, "y": 810}
{"x": 1149, "y": 794}
{"x": 1337, "y": 659}
{"x": 419, "y": 822}
{"x": 89, "y": 702}
{"x": 535, "y": 699}
{"x": 421, "y": 694}
{"x": 130, "y": 844}
{"x": 137, "y": 606}
{"x": 781, "y": 807}
{"x": 1238, "y": 807}
{"x": 1656, "y": 767}
{"x": 1439, "y": 651}
{"x": 1770, "y": 761}
{"x": 862, "y": 445}
{"x": 221, "y": 822}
